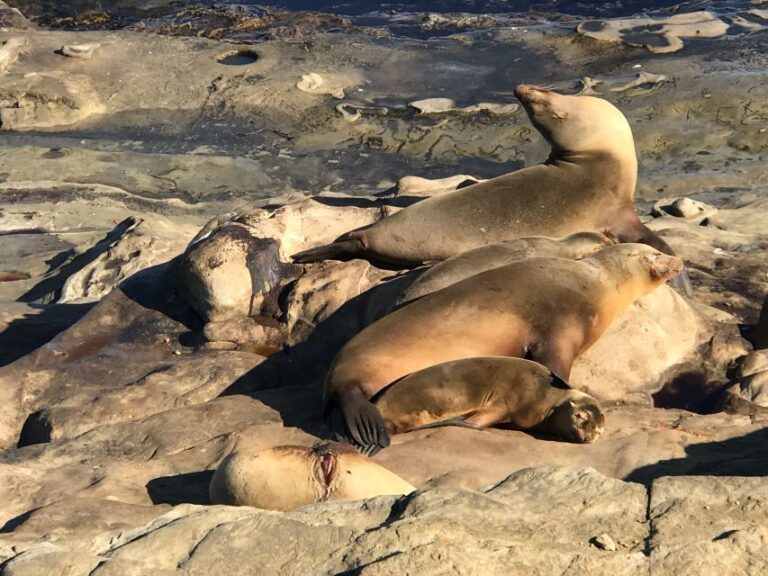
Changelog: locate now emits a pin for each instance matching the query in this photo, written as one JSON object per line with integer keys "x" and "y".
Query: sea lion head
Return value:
{"x": 582, "y": 244}
{"x": 576, "y": 123}
{"x": 645, "y": 265}
{"x": 579, "y": 419}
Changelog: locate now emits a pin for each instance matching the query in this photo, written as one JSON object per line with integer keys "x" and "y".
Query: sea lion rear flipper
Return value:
{"x": 344, "y": 247}
{"x": 478, "y": 420}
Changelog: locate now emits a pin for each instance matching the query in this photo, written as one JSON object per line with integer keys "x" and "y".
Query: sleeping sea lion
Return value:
{"x": 548, "y": 310}
{"x": 286, "y": 477}
{"x": 586, "y": 184}
{"x": 471, "y": 262}
{"x": 487, "y": 390}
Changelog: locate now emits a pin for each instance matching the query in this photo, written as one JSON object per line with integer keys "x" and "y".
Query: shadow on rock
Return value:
{"x": 291, "y": 381}
{"x": 741, "y": 456}
{"x": 23, "y": 335}
{"x": 189, "y": 488}
{"x": 49, "y": 289}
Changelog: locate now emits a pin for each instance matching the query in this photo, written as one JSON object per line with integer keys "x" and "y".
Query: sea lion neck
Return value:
{"x": 616, "y": 168}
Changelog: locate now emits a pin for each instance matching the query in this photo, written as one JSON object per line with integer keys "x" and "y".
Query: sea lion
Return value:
{"x": 471, "y": 262}
{"x": 586, "y": 184}
{"x": 286, "y": 477}
{"x": 480, "y": 392}
{"x": 544, "y": 309}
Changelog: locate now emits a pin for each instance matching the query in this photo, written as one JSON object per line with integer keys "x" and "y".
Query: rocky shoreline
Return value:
{"x": 131, "y": 367}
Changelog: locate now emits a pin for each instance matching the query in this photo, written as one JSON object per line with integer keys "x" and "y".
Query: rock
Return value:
{"x": 13, "y": 18}
{"x": 348, "y": 112}
{"x": 231, "y": 274}
{"x": 656, "y": 337}
{"x": 265, "y": 334}
{"x": 759, "y": 334}
{"x": 288, "y": 477}
{"x": 331, "y": 84}
{"x": 638, "y": 84}
{"x": 604, "y": 542}
{"x": 84, "y": 51}
{"x": 447, "y": 105}
{"x": 708, "y": 525}
{"x": 10, "y": 51}
{"x": 524, "y": 516}
{"x": 418, "y": 186}
{"x": 752, "y": 381}
{"x": 656, "y": 35}
{"x": 38, "y": 100}
{"x": 683, "y": 208}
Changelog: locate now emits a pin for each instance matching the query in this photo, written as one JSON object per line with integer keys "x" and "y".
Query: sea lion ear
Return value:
{"x": 571, "y": 403}
{"x": 662, "y": 266}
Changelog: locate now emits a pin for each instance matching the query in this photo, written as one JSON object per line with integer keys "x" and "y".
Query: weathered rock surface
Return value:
{"x": 536, "y": 521}
{"x": 129, "y": 411}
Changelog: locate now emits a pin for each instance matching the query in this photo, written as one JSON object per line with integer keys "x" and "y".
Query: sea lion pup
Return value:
{"x": 286, "y": 477}
{"x": 544, "y": 309}
{"x": 480, "y": 392}
{"x": 471, "y": 262}
{"x": 586, "y": 184}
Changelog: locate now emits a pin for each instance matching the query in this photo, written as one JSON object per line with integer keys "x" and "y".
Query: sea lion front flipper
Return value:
{"x": 357, "y": 421}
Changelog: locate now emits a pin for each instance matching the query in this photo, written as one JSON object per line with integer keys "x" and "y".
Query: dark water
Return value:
{"x": 126, "y": 12}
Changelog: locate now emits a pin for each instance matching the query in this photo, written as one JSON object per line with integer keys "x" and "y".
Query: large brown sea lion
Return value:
{"x": 286, "y": 477}
{"x": 586, "y": 184}
{"x": 544, "y": 309}
{"x": 488, "y": 390}
{"x": 471, "y": 262}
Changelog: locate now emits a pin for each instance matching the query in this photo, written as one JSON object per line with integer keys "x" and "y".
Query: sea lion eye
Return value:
{"x": 581, "y": 416}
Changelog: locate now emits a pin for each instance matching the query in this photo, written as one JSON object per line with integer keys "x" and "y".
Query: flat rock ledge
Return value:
{"x": 543, "y": 520}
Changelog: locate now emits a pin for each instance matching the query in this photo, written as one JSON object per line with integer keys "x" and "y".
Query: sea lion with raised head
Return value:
{"x": 548, "y": 310}
{"x": 586, "y": 184}
{"x": 471, "y": 262}
{"x": 489, "y": 390}
{"x": 286, "y": 477}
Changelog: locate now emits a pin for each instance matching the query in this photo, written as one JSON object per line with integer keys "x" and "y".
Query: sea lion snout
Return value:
{"x": 527, "y": 93}
{"x": 664, "y": 266}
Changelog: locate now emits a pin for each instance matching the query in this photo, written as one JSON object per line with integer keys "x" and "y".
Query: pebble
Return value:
{"x": 604, "y": 542}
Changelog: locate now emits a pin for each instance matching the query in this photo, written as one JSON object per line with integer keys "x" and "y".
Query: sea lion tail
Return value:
{"x": 338, "y": 250}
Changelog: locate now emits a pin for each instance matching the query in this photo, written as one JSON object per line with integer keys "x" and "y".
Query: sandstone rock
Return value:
{"x": 447, "y": 105}
{"x": 10, "y": 51}
{"x": 84, "y": 51}
{"x": 760, "y": 332}
{"x": 247, "y": 332}
{"x": 683, "y": 208}
{"x": 333, "y": 84}
{"x": 657, "y": 35}
{"x": 657, "y": 335}
{"x": 417, "y": 186}
{"x": 604, "y": 542}
{"x": 232, "y": 274}
{"x": 638, "y": 84}
{"x": 521, "y": 517}
{"x": 13, "y": 18}
{"x": 708, "y": 525}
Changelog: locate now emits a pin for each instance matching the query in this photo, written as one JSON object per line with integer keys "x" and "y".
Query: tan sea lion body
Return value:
{"x": 477, "y": 260}
{"x": 587, "y": 184}
{"x": 488, "y": 390}
{"x": 544, "y": 309}
{"x": 287, "y": 477}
